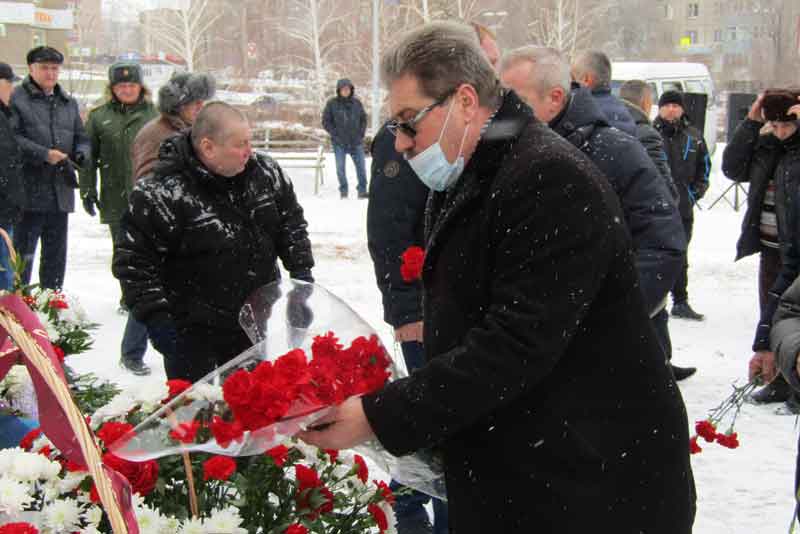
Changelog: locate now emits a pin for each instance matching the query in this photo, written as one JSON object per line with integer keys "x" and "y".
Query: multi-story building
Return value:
{"x": 25, "y": 24}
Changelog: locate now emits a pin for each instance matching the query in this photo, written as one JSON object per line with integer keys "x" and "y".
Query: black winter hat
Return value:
{"x": 45, "y": 54}
{"x": 671, "y": 97}
{"x": 184, "y": 88}
{"x": 124, "y": 72}
{"x": 776, "y": 104}
{"x": 7, "y": 73}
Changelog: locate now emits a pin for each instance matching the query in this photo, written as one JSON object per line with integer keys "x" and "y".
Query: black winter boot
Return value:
{"x": 776, "y": 391}
{"x": 684, "y": 311}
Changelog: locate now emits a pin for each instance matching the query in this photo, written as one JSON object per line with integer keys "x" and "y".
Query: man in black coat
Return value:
{"x": 545, "y": 389}
{"x": 395, "y": 222}
{"x": 54, "y": 143}
{"x": 12, "y": 187}
{"x": 345, "y": 121}
{"x": 769, "y": 159}
{"x": 541, "y": 77}
{"x": 690, "y": 165}
{"x": 201, "y": 234}
{"x": 592, "y": 69}
{"x": 637, "y": 95}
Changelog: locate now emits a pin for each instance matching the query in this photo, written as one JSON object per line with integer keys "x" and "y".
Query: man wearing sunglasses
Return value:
{"x": 544, "y": 388}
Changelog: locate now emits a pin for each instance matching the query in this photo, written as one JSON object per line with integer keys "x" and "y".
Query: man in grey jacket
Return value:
{"x": 54, "y": 143}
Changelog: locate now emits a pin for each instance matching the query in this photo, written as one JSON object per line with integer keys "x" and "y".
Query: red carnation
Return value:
{"x": 306, "y": 477}
{"x": 18, "y": 528}
{"x": 694, "y": 448}
{"x": 310, "y": 489}
{"x": 58, "y": 303}
{"x": 730, "y": 441}
{"x": 379, "y": 517}
{"x": 278, "y": 454}
{"x": 177, "y": 386}
{"x": 27, "y": 441}
{"x": 59, "y": 352}
{"x": 361, "y": 468}
{"x": 411, "y": 267}
{"x": 218, "y": 468}
{"x": 45, "y": 451}
{"x": 292, "y": 368}
{"x": 112, "y": 431}
{"x": 237, "y": 389}
{"x": 333, "y": 453}
{"x": 225, "y": 432}
{"x": 706, "y": 430}
{"x": 296, "y": 529}
{"x": 326, "y": 346}
{"x": 186, "y": 432}
{"x": 142, "y": 476}
{"x": 385, "y": 491}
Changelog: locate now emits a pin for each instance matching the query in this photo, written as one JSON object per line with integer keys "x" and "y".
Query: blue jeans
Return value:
{"x": 51, "y": 228}
{"x": 409, "y": 508}
{"x": 134, "y": 339}
{"x": 357, "y": 154}
{"x": 7, "y": 274}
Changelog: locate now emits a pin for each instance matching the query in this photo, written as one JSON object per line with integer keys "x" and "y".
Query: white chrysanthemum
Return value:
{"x": 14, "y": 496}
{"x": 309, "y": 451}
{"x": 226, "y": 520}
{"x": 150, "y": 521}
{"x": 192, "y": 526}
{"x": 15, "y": 381}
{"x": 150, "y": 394}
{"x": 52, "y": 332}
{"x": 71, "y": 481}
{"x": 171, "y": 525}
{"x": 40, "y": 442}
{"x": 206, "y": 392}
{"x": 391, "y": 520}
{"x": 118, "y": 407}
{"x": 91, "y": 529}
{"x": 27, "y": 466}
{"x": 62, "y": 515}
{"x": 93, "y": 515}
{"x": 75, "y": 314}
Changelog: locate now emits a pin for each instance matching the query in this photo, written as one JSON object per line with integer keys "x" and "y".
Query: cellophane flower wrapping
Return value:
{"x": 311, "y": 352}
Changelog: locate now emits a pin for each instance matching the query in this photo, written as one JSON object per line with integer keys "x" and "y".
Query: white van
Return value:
{"x": 664, "y": 76}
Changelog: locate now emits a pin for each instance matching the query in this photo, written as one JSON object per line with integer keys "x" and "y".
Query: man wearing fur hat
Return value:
{"x": 50, "y": 131}
{"x": 112, "y": 127}
{"x": 690, "y": 165}
{"x": 179, "y": 101}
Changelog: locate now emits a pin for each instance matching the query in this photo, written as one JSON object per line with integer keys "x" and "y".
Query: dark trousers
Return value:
{"x": 201, "y": 349}
{"x": 357, "y": 154}
{"x": 660, "y": 322}
{"x": 134, "y": 338}
{"x": 769, "y": 266}
{"x": 680, "y": 291}
{"x": 409, "y": 509}
{"x": 51, "y": 228}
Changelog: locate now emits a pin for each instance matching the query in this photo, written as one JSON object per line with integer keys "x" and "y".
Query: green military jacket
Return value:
{"x": 112, "y": 127}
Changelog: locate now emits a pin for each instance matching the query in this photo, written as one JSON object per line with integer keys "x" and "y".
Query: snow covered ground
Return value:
{"x": 742, "y": 491}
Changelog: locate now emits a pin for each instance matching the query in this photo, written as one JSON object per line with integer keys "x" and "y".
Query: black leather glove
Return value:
{"x": 298, "y": 313}
{"x": 89, "y": 202}
{"x": 163, "y": 334}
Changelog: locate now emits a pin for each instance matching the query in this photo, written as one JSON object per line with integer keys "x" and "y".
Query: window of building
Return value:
{"x": 691, "y": 35}
{"x": 3, "y": 30}
{"x": 717, "y": 36}
{"x": 732, "y": 33}
{"x": 668, "y": 12}
{"x": 693, "y": 10}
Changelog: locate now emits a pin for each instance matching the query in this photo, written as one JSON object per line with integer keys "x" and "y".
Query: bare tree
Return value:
{"x": 183, "y": 29}
{"x": 567, "y": 25}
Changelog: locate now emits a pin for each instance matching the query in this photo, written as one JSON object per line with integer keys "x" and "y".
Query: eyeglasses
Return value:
{"x": 409, "y": 127}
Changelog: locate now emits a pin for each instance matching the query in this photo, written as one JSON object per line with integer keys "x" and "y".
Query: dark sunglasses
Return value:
{"x": 409, "y": 127}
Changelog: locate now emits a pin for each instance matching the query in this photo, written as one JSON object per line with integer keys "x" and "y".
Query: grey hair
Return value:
{"x": 212, "y": 120}
{"x": 634, "y": 91}
{"x": 442, "y": 56}
{"x": 595, "y": 63}
{"x": 550, "y": 67}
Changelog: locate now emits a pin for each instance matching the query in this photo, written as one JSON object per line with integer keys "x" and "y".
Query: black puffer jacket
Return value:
{"x": 196, "y": 244}
{"x": 344, "y": 118}
{"x": 395, "y": 221}
{"x": 787, "y": 212}
{"x": 545, "y": 386}
{"x": 752, "y": 158}
{"x": 44, "y": 123}
{"x": 653, "y": 143}
{"x": 12, "y": 186}
{"x": 689, "y": 161}
{"x": 648, "y": 205}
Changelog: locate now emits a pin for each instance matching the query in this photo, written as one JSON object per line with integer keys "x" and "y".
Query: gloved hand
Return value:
{"x": 163, "y": 334}
{"x": 80, "y": 158}
{"x": 298, "y": 314}
{"x": 89, "y": 202}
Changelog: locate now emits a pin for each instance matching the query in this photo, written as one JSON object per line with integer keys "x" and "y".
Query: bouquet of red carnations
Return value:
{"x": 311, "y": 352}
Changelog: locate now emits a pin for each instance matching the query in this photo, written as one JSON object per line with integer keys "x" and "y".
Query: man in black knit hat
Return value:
{"x": 690, "y": 165}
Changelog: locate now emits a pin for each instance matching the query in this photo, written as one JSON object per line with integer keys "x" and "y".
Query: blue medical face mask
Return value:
{"x": 431, "y": 164}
